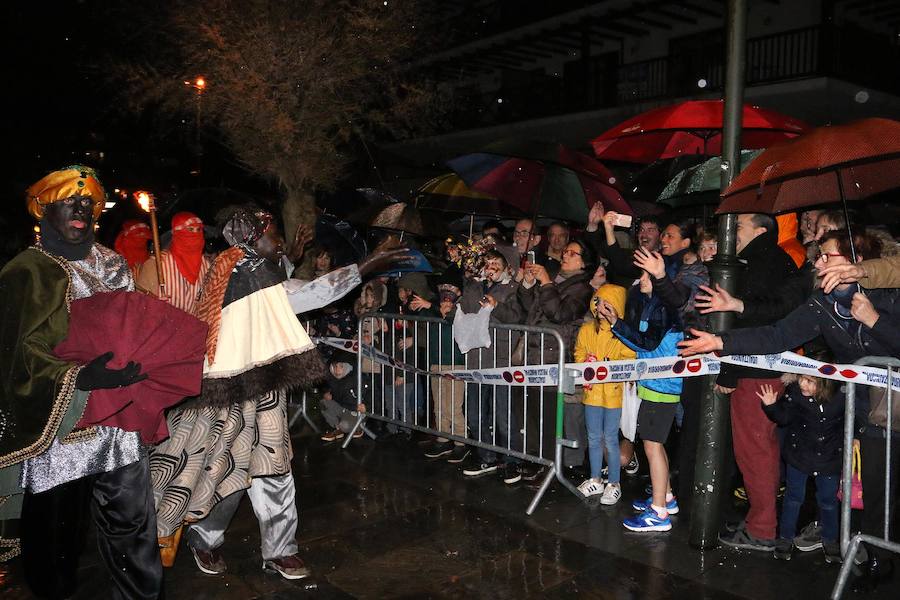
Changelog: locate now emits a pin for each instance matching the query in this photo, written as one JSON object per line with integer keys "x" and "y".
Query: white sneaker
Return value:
{"x": 591, "y": 487}
{"x": 611, "y": 494}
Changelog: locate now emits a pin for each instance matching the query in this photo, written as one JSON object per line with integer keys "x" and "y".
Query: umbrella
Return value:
{"x": 648, "y": 182}
{"x": 169, "y": 343}
{"x": 701, "y": 183}
{"x": 691, "y": 127}
{"x": 827, "y": 164}
{"x": 449, "y": 193}
{"x": 341, "y": 240}
{"x": 402, "y": 217}
{"x": 541, "y": 178}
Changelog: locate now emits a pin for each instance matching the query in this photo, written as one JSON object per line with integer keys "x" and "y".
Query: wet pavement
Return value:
{"x": 380, "y": 521}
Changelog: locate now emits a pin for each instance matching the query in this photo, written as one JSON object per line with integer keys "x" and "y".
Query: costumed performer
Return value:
{"x": 63, "y": 472}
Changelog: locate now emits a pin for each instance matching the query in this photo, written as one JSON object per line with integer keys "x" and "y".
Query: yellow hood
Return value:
{"x": 615, "y": 295}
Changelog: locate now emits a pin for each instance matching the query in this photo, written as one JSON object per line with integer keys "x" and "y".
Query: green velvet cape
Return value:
{"x": 38, "y": 399}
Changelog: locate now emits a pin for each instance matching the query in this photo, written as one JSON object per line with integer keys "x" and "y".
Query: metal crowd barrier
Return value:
{"x": 297, "y": 399}
{"x": 850, "y": 545}
{"x": 412, "y": 351}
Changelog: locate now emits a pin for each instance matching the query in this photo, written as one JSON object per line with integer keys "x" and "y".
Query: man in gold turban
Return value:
{"x": 52, "y": 474}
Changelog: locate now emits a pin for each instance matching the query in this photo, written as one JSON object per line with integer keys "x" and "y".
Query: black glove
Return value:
{"x": 95, "y": 375}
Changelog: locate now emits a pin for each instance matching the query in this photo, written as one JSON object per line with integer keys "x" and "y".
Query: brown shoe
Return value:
{"x": 209, "y": 561}
{"x": 333, "y": 435}
{"x": 358, "y": 433}
{"x": 289, "y": 567}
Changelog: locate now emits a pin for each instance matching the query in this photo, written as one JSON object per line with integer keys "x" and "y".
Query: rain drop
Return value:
{"x": 499, "y": 100}
{"x": 612, "y": 180}
{"x": 701, "y": 83}
{"x": 862, "y": 96}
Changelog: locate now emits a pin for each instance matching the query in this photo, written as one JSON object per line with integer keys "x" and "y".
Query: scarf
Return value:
{"x": 187, "y": 246}
{"x": 52, "y": 242}
{"x": 563, "y": 275}
{"x": 131, "y": 243}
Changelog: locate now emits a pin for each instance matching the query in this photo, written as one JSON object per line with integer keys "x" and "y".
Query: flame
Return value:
{"x": 145, "y": 200}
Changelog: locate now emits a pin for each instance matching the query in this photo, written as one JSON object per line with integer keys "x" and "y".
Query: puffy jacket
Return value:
{"x": 596, "y": 338}
{"x": 815, "y": 431}
{"x": 649, "y": 329}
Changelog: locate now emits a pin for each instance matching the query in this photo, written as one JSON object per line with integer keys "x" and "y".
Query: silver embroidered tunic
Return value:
{"x": 109, "y": 447}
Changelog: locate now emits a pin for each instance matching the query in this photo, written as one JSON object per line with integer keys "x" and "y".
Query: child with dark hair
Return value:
{"x": 813, "y": 411}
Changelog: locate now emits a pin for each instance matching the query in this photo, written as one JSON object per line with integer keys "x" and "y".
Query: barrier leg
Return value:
{"x": 359, "y": 423}
{"x": 548, "y": 479}
{"x": 846, "y": 566}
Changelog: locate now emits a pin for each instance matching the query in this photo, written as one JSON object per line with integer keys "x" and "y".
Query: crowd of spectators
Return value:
{"x": 611, "y": 297}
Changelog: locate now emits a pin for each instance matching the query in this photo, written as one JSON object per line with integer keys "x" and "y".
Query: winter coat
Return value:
{"x": 621, "y": 269}
{"x": 678, "y": 289}
{"x": 815, "y": 431}
{"x": 596, "y": 338}
{"x": 881, "y": 272}
{"x": 769, "y": 284}
{"x": 560, "y": 306}
{"x": 649, "y": 328}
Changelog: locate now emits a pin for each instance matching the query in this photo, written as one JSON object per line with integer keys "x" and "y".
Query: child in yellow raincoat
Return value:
{"x": 602, "y": 402}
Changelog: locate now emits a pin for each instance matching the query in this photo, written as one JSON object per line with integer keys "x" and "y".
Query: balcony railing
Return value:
{"x": 819, "y": 51}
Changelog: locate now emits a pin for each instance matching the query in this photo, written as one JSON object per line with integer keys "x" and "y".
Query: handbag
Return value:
{"x": 856, "y": 492}
{"x": 878, "y": 406}
{"x": 631, "y": 402}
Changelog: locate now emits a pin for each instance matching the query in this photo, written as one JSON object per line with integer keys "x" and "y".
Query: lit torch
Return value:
{"x": 145, "y": 201}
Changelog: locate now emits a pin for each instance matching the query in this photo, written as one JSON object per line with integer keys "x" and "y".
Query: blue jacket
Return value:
{"x": 650, "y": 329}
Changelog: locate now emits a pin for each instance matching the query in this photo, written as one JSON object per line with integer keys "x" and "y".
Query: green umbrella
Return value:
{"x": 699, "y": 184}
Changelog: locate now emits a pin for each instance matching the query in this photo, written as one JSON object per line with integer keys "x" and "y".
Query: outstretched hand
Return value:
{"x": 96, "y": 376}
{"x": 701, "y": 343}
{"x": 717, "y": 300}
{"x": 767, "y": 395}
{"x": 384, "y": 255}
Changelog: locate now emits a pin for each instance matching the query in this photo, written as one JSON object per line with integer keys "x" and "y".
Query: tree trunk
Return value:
{"x": 299, "y": 207}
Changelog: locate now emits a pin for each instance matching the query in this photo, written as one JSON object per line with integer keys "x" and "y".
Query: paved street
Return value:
{"x": 378, "y": 521}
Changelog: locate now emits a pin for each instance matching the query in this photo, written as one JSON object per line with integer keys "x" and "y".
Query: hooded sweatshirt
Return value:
{"x": 595, "y": 339}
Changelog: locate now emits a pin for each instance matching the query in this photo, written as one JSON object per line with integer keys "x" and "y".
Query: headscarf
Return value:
{"x": 245, "y": 226}
{"x": 76, "y": 180}
{"x": 187, "y": 246}
{"x": 131, "y": 243}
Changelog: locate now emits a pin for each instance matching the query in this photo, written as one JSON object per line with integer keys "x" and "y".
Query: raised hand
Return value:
{"x": 767, "y": 395}
{"x": 717, "y": 300}
{"x": 385, "y": 254}
{"x": 302, "y": 237}
{"x": 608, "y": 312}
{"x": 595, "y": 216}
{"x": 651, "y": 262}
{"x": 418, "y": 303}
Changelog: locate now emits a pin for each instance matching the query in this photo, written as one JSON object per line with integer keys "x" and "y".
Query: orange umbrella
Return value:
{"x": 827, "y": 164}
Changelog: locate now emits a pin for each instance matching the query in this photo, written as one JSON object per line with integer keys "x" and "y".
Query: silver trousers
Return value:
{"x": 273, "y": 501}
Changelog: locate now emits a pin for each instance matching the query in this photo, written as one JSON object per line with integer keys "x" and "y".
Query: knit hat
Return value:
{"x": 417, "y": 284}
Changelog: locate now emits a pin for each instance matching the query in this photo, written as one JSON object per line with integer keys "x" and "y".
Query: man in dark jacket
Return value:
{"x": 768, "y": 291}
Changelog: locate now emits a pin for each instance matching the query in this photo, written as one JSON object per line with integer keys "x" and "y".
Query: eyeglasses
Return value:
{"x": 522, "y": 232}
{"x": 571, "y": 253}
{"x": 823, "y": 256}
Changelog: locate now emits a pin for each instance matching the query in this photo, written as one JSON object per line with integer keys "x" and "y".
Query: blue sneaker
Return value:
{"x": 642, "y": 505}
{"x": 647, "y": 521}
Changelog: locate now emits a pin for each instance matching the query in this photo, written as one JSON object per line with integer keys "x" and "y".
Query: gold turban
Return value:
{"x": 76, "y": 180}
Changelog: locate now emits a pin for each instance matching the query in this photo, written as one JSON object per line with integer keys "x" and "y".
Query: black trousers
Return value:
{"x": 872, "y": 451}
{"x": 54, "y": 528}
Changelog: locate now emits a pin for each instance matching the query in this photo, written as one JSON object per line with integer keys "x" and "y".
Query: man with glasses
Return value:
{"x": 600, "y": 236}
{"x": 526, "y": 238}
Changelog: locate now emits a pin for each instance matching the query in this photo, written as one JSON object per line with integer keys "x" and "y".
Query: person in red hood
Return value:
{"x": 131, "y": 243}
{"x": 184, "y": 265}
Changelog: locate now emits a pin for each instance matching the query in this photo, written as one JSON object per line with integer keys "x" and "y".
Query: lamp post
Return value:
{"x": 147, "y": 203}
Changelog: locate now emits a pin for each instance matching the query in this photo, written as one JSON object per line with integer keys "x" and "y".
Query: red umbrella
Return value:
{"x": 169, "y": 343}
{"x": 827, "y": 164}
{"x": 691, "y": 127}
